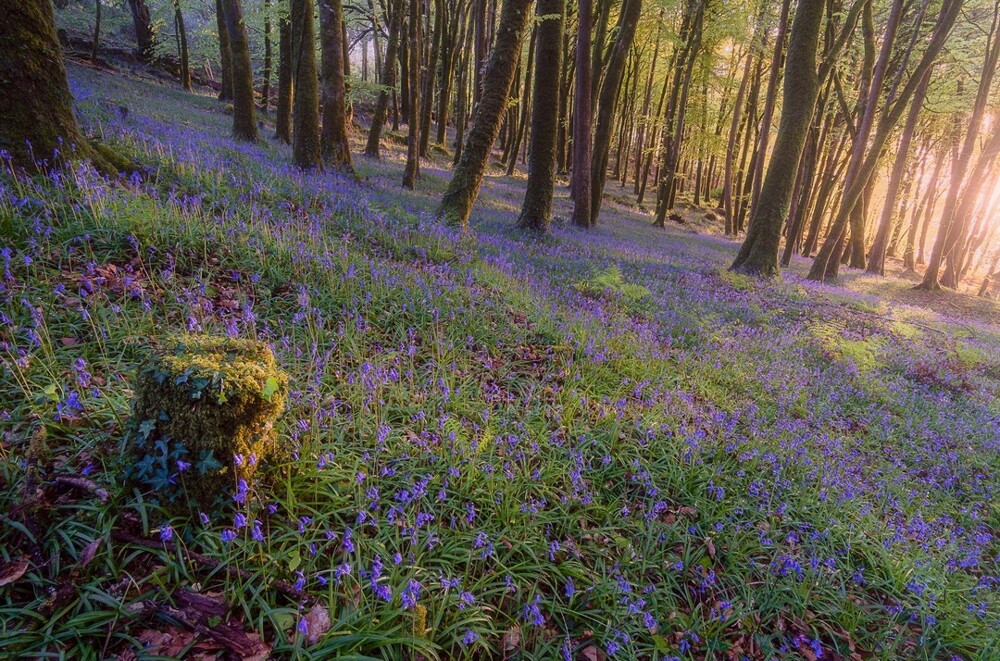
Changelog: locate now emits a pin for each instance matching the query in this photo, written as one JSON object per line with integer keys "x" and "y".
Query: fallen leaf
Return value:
{"x": 69, "y": 341}
{"x": 317, "y": 623}
{"x": 13, "y": 570}
{"x": 512, "y": 639}
{"x": 710, "y": 545}
{"x": 591, "y": 653}
{"x": 88, "y": 553}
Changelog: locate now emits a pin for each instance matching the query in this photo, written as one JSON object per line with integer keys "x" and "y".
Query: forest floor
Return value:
{"x": 598, "y": 443}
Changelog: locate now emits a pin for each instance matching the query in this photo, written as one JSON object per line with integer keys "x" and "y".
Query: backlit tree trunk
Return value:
{"x": 142, "y": 22}
{"x": 182, "y": 37}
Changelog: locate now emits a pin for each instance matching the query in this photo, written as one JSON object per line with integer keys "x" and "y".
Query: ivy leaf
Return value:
{"x": 146, "y": 428}
{"x": 270, "y": 387}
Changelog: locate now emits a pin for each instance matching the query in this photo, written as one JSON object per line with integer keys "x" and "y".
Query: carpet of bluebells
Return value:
{"x": 592, "y": 444}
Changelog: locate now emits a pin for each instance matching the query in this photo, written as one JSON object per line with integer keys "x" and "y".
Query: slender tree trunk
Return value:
{"x": 429, "y": 76}
{"x": 306, "y": 148}
{"x": 772, "y": 89}
{"x": 456, "y": 205}
{"x": 412, "y": 170}
{"x": 388, "y": 79}
{"x": 876, "y": 259}
{"x": 268, "y": 57}
{"x": 283, "y": 114}
{"x": 759, "y": 253}
{"x": 244, "y": 117}
{"x": 521, "y": 124}
{"x": 96, "y": 45}
{"x": 225, "y": 53}
{"x": 182, "y": 37}
{"x": 582, "y": 118}
{"x": 537, "y": 207}
{"x": 335, "y": 144}
{"x": 644, "y": 118}
{"x": 628, "y": 19}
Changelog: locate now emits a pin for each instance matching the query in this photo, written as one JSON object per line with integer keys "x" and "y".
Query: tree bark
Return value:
{"x": 456, "y": 205}
{"x": 335, "y": 143}
{"x": 142, "y": 22}
{"x": 537, "y": 207}
{"x": 182, "y": 37}
{"x": 582, "y": 117}
{"x": 759, "y": 253}
{"x": 37, "y": 125}
{"x": 225, "y": 53}
{"x": 244, "y": 117}
{"x": 388, "y": 79}
{"x": 876, "y": 258}
{"x": 412, "y": 170}
{"x": 306, "y": 151}
{"x": 265, "y": 91}
{"x": 608, "y": 100}
{"x": 283, "y": 113}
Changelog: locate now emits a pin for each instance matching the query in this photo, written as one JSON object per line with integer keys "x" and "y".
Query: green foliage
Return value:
{"x": 204, "y": 408}
{"x": 610, "y": 284}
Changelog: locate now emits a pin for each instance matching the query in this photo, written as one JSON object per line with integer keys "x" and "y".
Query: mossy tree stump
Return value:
{"x": 203, "y": 416}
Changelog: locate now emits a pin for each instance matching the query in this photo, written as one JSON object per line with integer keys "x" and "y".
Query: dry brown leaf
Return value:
{"x": 591, "y": 653}
{"x": 317, "y": 623}
{"x": 710, "y": 545}
{"x": 88, "y": 553}
{"x": 512, "y": 639}
{"x": 13, "y": 570}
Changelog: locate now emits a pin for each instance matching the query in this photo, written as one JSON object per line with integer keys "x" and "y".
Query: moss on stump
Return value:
{"x": 204, "y": 409}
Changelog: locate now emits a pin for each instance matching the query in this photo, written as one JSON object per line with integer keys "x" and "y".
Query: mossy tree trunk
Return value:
{"x": 37, "y": 125}
{"x": 608, "y": 100}
{"x": 225, "y": 53}
{"x": 394, "y": 18}
{"x": 497, "y": 76}
{"x": 305, "y": 133}
{"x": 336, "y": 146}
{"x": 537, "y": 207}
{"x": 244, "y": 115}
{"x": 283, "y": 113}
{"x": 759, "y": 253}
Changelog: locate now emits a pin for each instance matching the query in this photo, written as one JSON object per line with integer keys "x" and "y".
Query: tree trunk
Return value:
{"x": 772, "y": 89}
{"x": 182, "y": 37}
{"x": 265, "y": 91}
{"x": 498, "y": 74}
{"x": 627, "y": 21}
{"x": 388, "y": 79}
{"x": 759, "y": 253}
{"x": 537, "y": 207}
{"x": 145, "y": 36}
{"x": 305, "y": 82}
{"x": 244, "y": 117}
{"x": 429, "y": 76}
{"x": 335, "y": 144}
{"x": 37, "y": 126}
{"x": 876, "y": 259}
{"x": 582, "y": 118}
{"x": 225, "y": 53}
{"x": 412, "y": 170}
{"x": 283, "y": 114}
{"x": 95, "y": 47}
